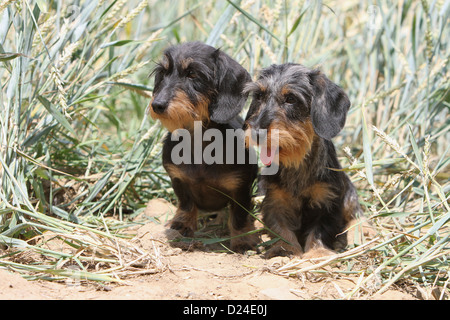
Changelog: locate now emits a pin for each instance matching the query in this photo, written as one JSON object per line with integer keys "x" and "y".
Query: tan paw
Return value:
{"x": 282, "y": 249}
{"x": 244, "y": 243}
{"x": 318, "y": 253}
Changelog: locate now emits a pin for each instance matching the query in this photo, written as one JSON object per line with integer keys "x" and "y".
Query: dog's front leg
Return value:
{"x": 277, "y": 222}
{"x": 242, "y": 222}
{"x": 185, "y": 219}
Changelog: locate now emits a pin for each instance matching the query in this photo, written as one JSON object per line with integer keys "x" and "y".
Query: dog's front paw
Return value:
{"x": 245, "y": 243}
{"x": 318, "y": 253}
{"x": 282, "y": 249}
{"x": 182, "y": 228}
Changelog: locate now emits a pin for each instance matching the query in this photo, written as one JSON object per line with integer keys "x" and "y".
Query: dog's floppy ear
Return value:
{"x": 230, "y": 79}
{"x": 329, "y": 106}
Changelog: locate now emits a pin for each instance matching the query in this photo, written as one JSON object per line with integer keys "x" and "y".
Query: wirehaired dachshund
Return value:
{"x": 195, "y": 83}
{"x": 307, "y": 204}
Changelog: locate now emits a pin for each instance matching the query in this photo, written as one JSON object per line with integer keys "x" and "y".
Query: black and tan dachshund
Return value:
{"x": 198, "y": 84}
{"x": 307, "y": 203}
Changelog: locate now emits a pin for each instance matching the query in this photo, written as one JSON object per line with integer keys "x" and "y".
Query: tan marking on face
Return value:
{"x": 285, "y": 90}
{"x": 181, "y": 113}
{"x": 165, "y": 62}
{"x": 186, "y": 62}
{"x": 294, "y": 141}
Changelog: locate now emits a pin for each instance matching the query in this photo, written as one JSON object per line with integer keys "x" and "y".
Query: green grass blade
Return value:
{"x": 254, "y": 20}
{"x": 60, "y": 118}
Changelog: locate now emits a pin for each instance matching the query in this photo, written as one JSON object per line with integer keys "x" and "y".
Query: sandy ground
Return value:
{"x": 199, "y": 273}
{"x": 194, "y": 275}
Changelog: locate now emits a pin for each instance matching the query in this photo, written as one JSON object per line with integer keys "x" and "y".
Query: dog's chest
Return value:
{"x": 210, "y": 187}
{"x": 205, "y": 178}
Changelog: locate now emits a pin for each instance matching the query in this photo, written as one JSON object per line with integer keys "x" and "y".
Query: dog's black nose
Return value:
{"x": 159, "y": 106}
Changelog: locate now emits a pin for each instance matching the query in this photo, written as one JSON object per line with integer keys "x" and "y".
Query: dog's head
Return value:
{"x": 196, "y": 82}
{"x": 300, "y": 104}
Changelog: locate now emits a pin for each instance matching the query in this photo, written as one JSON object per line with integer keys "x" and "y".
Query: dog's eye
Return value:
{"x": 258, "y": 95}
{"x": 290, "y": 99}
{"x": 191, "y": 74}
{"x": 159, "y": 71}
